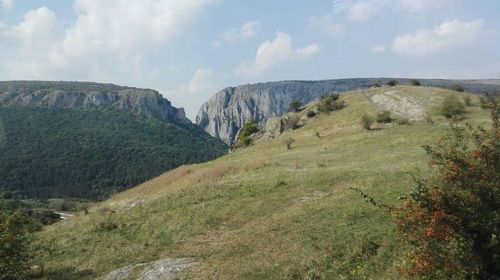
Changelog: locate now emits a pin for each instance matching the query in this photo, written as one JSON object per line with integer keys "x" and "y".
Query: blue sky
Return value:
{"x": 189, "y": 49}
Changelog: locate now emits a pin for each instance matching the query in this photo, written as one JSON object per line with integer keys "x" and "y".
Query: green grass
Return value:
{"x": 264, "y": 212}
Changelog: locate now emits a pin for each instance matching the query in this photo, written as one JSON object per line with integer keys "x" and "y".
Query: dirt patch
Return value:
{"x": 402, "y": 105}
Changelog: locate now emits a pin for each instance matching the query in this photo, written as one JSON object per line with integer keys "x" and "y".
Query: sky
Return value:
{"x": 190, "y": 49}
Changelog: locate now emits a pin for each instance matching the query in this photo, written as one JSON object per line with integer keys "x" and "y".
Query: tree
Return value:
{"x": 384, "y": 117}
{"x": 452, "y": 107}
{"x": 329, "y": 103}
{"x": 366, "y": 121}
{"x": 288, "y": 143}
{"x": 248, "y": 129}
{"x": 295, "y": 106}
{"x": 15, "y": 245}
{"x": 450, "y": 224}
{"x": 392, "y": 83}
{"x": 415, "y": 83}
{"x": 457, "y": 87}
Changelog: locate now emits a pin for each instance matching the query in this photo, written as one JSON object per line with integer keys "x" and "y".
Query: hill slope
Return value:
{"x": 89, "y": 140}
{"x": 226, "y": 112}
{"x": 265, "y": 212}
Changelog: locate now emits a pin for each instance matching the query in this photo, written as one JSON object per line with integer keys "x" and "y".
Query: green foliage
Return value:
{"x": 457, "y": 87}
{"x": 403, "y": 121}
{"x": 468, "y": 100}
{"x": 376, "y": 85}
{"x": 415, "y": 83}
{"x": 288, "y": 142}
{"x": 244, "y": 138}
{"x": 384, "y": 117}
{"x": 428, "y": 118}
{"x": 451, "y": 107}
{"x": 329, "y": 103}
{"x": 367, "y": 121}
{"x": 92, "y": 153}
{"x": 310, "y": 114}
{"x": 450, "y": 223}
{"x": 295, "y": 106}
{"x": 292, "y": 121}
{"x": 392, "y": 83}
{"x": 15, "y": 245}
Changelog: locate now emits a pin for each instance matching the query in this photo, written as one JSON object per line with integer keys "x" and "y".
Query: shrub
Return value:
{"x": 468, "y": 100}
{"x": 415, "y": 83}
{"x": 244, "y": 137}
{"x": 288, "y": 143}
{"x": 310, "y": 114}
{"x": 293, "y": 121}
{"x": 15, "y": 245}
{"x": 403, "y": 121}
{"x": 367, "y": 121}
{"x": 384, "y": 117}
{"x": 451, "y": 107}
{"x": 457, "y": 87}
{"x": 317, "y": 134}
{"x": 329, "y": 103}
{"x": 392, "y": 83}
{"x": 295, "y": 106}
{"x": 428, "y": 118}
{"x": 376, "y": 85}
{"x": 449, "y": 224}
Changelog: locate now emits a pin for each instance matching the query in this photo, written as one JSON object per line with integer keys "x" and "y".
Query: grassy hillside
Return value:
{"x": 48, "y": 152}
{"x": 266, "y": 212}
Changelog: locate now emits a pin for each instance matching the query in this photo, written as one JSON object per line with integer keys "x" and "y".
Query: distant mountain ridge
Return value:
{"x": 226, "y": 112}
{"x": 87, "y": 95}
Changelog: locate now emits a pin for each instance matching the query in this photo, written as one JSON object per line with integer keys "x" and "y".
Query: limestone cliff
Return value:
{"x": 84, "y": 95}
{"x": 225, "y": 113}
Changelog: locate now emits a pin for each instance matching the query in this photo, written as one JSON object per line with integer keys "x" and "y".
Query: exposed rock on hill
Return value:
{"x": 75, "y": 95}
{"x": 225, "y": 113}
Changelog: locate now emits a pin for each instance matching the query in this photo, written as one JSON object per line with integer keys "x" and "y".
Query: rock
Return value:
{"x": 166, "y": 269}
{"x": 273, "y": 127}
{"x": 120, "y": 274}
{"x": 225, "y": 113}
{"x": 74, "y": 95}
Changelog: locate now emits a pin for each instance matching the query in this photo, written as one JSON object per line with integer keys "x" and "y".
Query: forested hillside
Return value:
{"x": 91, "y": 153}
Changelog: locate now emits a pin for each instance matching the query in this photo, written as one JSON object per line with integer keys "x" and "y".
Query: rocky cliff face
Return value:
{"x": 225, "y": 113}
{"x": 74, "y": 95}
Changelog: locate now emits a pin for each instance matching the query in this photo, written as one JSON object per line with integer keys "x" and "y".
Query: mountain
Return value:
{"x": 85, "y": 95}
{"x": 266, "y": 212}
{"x": 88, "y": 140}
{"x": 226, "y": 112}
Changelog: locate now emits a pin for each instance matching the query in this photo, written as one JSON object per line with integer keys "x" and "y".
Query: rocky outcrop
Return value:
{"x": 225, "y": 113}
{"x": 76, "y": 95}
{"x": 165, "y": 269}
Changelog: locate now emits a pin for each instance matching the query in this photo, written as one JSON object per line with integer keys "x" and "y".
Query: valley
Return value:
{"x": 265, "y": 211}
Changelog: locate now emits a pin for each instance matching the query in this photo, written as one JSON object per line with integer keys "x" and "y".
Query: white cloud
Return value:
{"x": 6, "y": 4}
{"x": 378, "y": 49}
{"x": 272, "y": 53}
{"x": 423, "y": 5}
{"x": 362, "y": 11}
{"x": 446, "y": 36}
{"x": 248, "y": 30}
{"x": 326, "y": 25}
{"x": 308, "y": 51}
{"x": 107, "y": 37}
